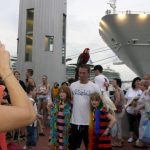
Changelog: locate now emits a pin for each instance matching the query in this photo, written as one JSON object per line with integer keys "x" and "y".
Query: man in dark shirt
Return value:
{"x": 17, "y": 75}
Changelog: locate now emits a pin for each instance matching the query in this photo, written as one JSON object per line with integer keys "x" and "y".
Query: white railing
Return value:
{"x": 126, "y": 12}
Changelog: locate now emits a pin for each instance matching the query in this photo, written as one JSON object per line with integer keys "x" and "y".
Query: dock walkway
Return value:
{"x": 43, "y": 144}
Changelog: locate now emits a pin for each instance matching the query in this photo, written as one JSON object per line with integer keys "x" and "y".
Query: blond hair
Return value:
{"x": 94, "y": 96}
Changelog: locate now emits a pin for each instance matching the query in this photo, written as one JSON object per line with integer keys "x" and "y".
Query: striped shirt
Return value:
{"x": 60, "y": 128}
{"x": 103, "y": 142}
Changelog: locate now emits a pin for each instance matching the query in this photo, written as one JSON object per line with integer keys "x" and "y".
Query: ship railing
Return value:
{"x": 108, "y": 12}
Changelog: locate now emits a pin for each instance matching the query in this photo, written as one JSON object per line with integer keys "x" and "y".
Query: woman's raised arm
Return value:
{"x": 21, "y": 112}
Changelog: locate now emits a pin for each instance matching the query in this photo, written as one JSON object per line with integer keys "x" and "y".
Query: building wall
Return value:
{"x": 48, "y": 20}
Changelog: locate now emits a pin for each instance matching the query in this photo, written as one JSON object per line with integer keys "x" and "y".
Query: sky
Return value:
{"x": 83, "y": 17}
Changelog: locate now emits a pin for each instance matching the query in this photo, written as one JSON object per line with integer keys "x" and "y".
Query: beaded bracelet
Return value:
{"x": 8, "y": 75}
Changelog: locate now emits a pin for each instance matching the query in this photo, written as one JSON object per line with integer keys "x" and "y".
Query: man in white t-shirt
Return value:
{"x": 100, "y": 79}
{"x": 81, "y": 91}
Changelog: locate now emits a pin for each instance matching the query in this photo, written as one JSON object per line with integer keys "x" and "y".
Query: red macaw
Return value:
{"x": 82, "y": 59}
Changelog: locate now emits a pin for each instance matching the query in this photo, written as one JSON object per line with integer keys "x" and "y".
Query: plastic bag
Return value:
{"x": 146, "y": 135}
{"x": 114, "y": 130}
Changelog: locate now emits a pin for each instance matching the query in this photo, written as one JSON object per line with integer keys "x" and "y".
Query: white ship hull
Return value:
{"x": 129, "y": 37}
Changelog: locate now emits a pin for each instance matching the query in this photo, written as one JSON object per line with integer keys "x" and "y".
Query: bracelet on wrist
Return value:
{"x": 7, "y": 76}
{"x": 109, "y": 128}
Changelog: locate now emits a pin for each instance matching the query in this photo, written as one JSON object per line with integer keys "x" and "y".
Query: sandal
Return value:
{"x": 41, "y": 134}
{"x": 119, "y": 145}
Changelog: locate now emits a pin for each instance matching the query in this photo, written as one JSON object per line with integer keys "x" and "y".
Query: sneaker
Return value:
{"x": 130, "y": 140}
{"x": 24, "y": 147}
{"x": 22, "y": 137}
{"x": 49, "y": 142}
{"x": 41, "y": 134}
{"x": 139, "y": 143}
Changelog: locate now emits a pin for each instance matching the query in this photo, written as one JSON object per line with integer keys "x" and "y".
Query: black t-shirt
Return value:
{"x": 22, "y": 84}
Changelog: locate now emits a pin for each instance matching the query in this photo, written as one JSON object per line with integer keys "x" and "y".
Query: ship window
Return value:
{"x": 49, "y": 43}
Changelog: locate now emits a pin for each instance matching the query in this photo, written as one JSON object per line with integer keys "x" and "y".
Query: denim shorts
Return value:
{"x": 42, "y": 98}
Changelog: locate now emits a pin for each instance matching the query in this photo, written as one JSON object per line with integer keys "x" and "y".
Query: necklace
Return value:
{"x": 94, "y": 114}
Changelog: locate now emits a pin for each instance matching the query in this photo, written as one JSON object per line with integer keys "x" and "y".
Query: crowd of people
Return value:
{"x": 74, "y": 111}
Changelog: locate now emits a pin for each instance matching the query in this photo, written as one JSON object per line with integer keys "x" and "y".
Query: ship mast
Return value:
{"x": 112, "y": 4}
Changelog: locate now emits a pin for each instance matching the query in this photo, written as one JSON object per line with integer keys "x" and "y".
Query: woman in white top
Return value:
{"x": 43, "y": 94}
{"x": 133, "y": 93}
{"x": 143, "y": 102}
{"x": 119, "y": 101}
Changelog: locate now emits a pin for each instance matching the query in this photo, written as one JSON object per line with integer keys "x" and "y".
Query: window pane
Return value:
{"x": 29, "y": 34}
{"x": 49, "y": 43}
{"x": 28, "y": 55}
{"x": 64, "y": 39}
